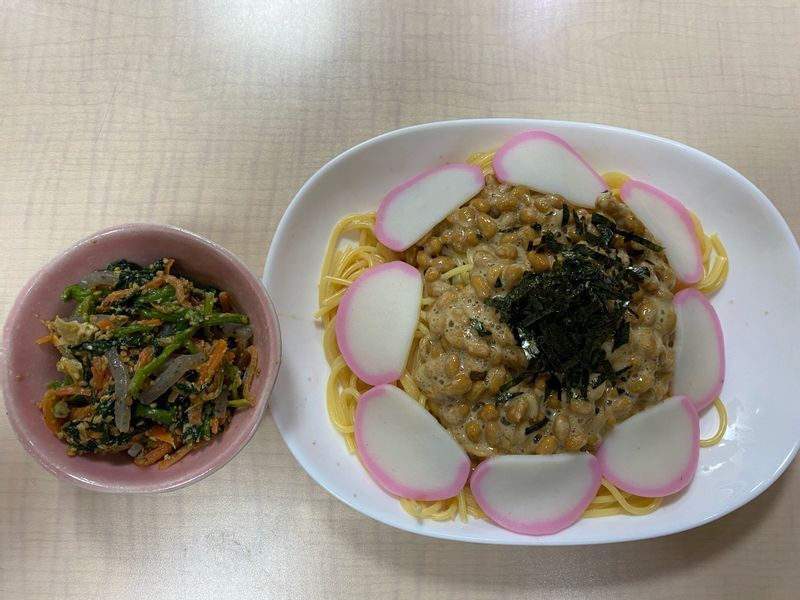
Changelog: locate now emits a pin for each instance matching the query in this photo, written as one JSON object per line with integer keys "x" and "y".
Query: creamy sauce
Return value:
{"x": 461, "y": 370}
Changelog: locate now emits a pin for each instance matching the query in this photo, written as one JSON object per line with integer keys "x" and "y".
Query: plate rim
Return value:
{"x": 774, "y": 214}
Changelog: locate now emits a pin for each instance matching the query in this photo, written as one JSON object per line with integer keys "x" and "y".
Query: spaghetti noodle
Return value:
{"x": 343, "y": 265}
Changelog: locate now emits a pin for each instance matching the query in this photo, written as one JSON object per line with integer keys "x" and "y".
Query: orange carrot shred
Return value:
{"x": 178, "y": 284}
{"x": 71, "y": 390}
{"x": 45, "y": 339}
{"x": 210, "y": 367}
{"x": 144, "y": 357}
{"x": 225, "y": 301}
{"x": 157, "y": 432}
{"x": 53, "y": 423}
{"x": 100, "y": 373}
{"x": 250, "y": 374}
{"x": 154, "y": 455}
{"x": 81, "y": 412}
{"x": 179, "y": 454}
{"x": 114, "y": 296}
{"x": 149, "y": 322}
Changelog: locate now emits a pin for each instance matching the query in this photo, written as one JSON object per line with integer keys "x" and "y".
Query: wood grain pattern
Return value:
{"x": 210, "y": 115}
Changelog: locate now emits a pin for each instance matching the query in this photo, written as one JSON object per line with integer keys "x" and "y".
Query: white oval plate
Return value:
{"x": 757, "y": 308}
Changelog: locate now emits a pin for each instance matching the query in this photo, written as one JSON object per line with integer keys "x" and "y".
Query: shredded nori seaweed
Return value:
{"x": 562, "y": 317}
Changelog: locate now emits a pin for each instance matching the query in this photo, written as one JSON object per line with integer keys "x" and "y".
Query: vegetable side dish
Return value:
{"x": 154, "y": 364}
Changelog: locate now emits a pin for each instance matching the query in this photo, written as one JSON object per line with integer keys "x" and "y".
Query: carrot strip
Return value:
{"x": 53, "y": 423}
{"x": 100, "y": 373}
{"x": 211, "y": 366}
{"x": 178, "y": 455}
{"x": 145, "y": 356}
{"x": 157, "y": 432}
{"x": 114, "y": 297}
{"x": 153, "y": 456}
{"x": 225, "y": 302}
{"x": 105, "y": 324}
{"x": 178, "y": 284}
{"x": 81, "y": 412}
{"x": 252, "y": 371}
{"x": 194, "y": 413}
{"x": 71, "y": 390}
{"x": 149, "y": 322}
{"x": 45, "y": 339}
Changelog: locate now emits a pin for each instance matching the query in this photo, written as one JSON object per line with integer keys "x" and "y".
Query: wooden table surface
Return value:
{"x": 210, "y": 115}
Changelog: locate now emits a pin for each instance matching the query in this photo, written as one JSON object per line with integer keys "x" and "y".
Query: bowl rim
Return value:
{"x": 12, "y": 412}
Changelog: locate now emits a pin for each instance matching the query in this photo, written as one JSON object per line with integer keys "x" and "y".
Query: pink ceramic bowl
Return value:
{"x": 26, "y": 368}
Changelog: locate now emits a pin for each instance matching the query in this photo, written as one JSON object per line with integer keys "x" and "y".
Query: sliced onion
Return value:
{"x": 221, "y": 403}
{"x": 122, "y": 411}
{"x": 98, "y": 279}
{"x": 228, "y": 329}
{"x": 135, "y": 449}
{"x": 242, "y": 333}
{"x": 175, "y": 369}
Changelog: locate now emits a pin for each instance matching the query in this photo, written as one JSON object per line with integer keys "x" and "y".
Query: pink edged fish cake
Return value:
{"x": 671, "y": 224}
{"x": 405, "y": 449}
{"x": 536, "y": 495}
{"x": 413, "y": 208}
{"x": 546, "y": 163}
{"x": 699, "y": 349}
{"x": 655, "y": 452}
{"x": 376, "y": 320}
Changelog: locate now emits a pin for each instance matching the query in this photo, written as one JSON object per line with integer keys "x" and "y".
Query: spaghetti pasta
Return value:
{"x": 344, "y": 262}
{"x": 715, "y": 260}
{"x": 722, "y": 426}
